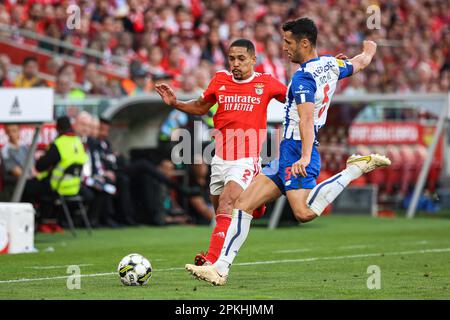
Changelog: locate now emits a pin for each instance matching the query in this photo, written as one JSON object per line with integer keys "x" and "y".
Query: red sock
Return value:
{"x": 218, "y": 237}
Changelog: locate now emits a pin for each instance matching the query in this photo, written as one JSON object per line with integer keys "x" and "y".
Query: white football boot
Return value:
{"x": 370, "y": 162}
{"x": 207, "y": 273}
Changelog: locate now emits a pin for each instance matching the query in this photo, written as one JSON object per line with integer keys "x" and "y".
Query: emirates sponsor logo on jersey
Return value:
{"x": 238, "y": 102}
{"x": 239, "y": 99}
{"x": 259, "y": 88}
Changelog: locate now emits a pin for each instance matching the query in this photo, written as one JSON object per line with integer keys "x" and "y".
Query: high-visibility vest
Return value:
{"x": 71, "y": 151}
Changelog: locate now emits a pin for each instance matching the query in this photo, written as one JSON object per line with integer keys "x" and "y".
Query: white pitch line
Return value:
{"x": 81, "y": 276}
{"x": 366, "y": 255}
{"x": 356, "y": 246}
{"x": 292, "y": 251}
{"x": 59, "y": 277}
{"x": 422, "y": 242}
{"x": 57, "y": 267}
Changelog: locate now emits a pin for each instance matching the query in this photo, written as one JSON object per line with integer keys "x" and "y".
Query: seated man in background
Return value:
{"x": 110, "y": 161}
{"x": 66, "y": 152}
{"x": 14, "y": 156}
{"x": 101, "y": 211}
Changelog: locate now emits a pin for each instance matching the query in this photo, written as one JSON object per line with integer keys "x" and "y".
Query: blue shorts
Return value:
{"x": 279, "y": 170}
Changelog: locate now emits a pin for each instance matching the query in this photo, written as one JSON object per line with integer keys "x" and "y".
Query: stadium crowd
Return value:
{"x": 185, "y": 41}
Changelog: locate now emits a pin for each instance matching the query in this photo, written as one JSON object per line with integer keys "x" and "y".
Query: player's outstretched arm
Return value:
{"x": 197, "y": 107}
{"x": 362, "y": 60}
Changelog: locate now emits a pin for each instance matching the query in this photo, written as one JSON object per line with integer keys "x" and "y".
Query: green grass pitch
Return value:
{"x": 325, "y": 259}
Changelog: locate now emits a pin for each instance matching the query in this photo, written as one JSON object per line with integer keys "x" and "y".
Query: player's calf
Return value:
{"x": 327, "y": 191}
{"x": 297, "y": 200}
{"x": 304, "y": 216}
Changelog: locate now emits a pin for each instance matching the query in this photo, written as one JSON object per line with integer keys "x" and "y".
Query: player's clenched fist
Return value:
{"x": 369, "y": 47}
{"x": 166, "y": 94}
{"x": 299, "y": 167}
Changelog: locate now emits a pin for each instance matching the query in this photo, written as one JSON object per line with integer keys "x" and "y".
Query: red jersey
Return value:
{"x": 241, "y": 117}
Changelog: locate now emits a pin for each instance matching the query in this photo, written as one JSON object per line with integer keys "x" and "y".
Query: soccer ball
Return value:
{"x": 134, "y": 270}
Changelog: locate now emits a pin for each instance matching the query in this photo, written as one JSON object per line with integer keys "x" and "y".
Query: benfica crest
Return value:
{"x": 259, "y": 88}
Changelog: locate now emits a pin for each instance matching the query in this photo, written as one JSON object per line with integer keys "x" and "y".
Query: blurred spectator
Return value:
{"x": 125, "y": 46}
{"x": 29, "y": 76}
{"x": 270, "y": 61}
{"x": 65, "y": 88}
{"x": 151, "y": 30}
{"x": 101, "y": 211}
{"x": 13, "y": 156}
{"x": 189, "y": 85}
{"x": 142, "y": 81}
{"x": 52, "y": 30}
{"x": 96, "y": 83}
{"x": 13, "y": 152}
{"x": 110, "y": 161}
{"x": 90, "y": 74}
{"x": 214, "y": 51}
{"x": 52, "y": 66}
{"x": 69, "y": 71}
{"x": 200, "y": 208}
{"x": 203, "y": 77}
{"x": 4, "y": 71}
{"x": 172, "y": 210}
{"x": 155, "y": 59}
{"x": 139, "y": 81}
{"x": 191, "y": 51}
{"x": 355, "y": 86}
{"x": 174, "y": 65}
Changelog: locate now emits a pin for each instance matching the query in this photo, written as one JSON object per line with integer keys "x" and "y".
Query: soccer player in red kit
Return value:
{"x": 240, "y": 125}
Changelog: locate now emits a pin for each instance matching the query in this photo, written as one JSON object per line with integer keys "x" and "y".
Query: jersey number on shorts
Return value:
{"x": 247, "y": 174}
{"x": 288, "y": 174}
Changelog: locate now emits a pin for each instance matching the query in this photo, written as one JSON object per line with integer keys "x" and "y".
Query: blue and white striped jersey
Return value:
{"x": 315, "y": 81}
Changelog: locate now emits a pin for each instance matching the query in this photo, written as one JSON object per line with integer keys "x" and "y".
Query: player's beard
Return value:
{"x": 295, "y": 58}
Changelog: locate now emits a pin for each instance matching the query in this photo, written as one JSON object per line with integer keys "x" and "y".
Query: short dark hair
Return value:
{"x": 244, "y": 43}
{"x": 63, "y": 124}
{"x": 29, "y": 59}
{"x": 302, "y": 28}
